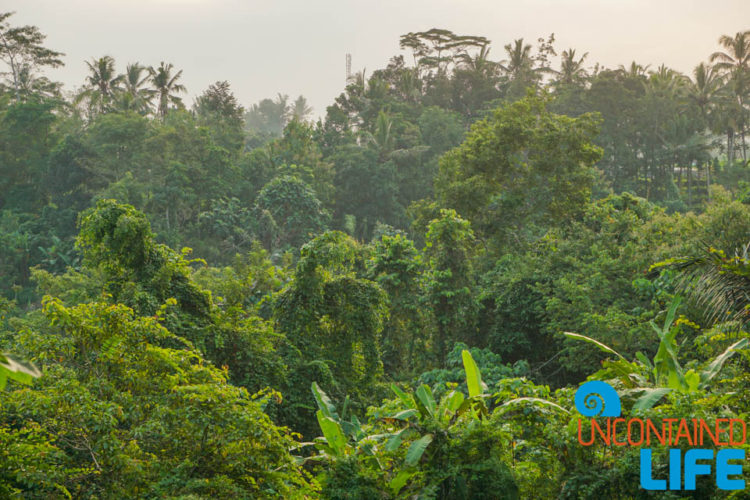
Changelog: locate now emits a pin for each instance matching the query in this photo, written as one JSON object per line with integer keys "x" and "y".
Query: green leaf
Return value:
{"x": 400, "y": 480}
{"x": 416, "y": 450}
{"x": 650, "y": 397}
{"x": 713, "y": 368}
{"x": 324, "y": 403}
{"x": 405, "y": 398}
{"x": 693, "y": 380}
{"x": 395, "y": 441}
{"x": 13, "y": 370}
{"x": 598, "y": 344}
{"x": 644, "y": 360}
{"x": 453, "y": 401}
{"x": 424, "y": 395}
{"x": 536, "y": 401}
{"x": 404, "y": 414}
{"x": 332, "y": 432}
{"x": 671, "y": 313}
{"x": 473, "y": 375}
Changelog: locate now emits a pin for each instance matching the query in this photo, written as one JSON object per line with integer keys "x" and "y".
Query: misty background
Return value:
{"x": 299, "y": 47}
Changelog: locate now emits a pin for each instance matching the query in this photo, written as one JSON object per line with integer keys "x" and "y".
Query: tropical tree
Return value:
{"x": 652, "y": 380}
{"x": 22, "y": 51}
{"x": 448, "y": 288}
{"x": 510, "y": 178}
{"x": 435, "y": 50}
{"x": 519, "y": 68}
{"x": 479, "y": 62}
{"x": 31, "y": 83}
{"x": 135, "y": 409}
{"x": 135, "y": 96}
{"x": 703, "y": 88}
{"x": 571, "y": 69}
{"x": 397, "y": 266}
{"x": 289, "y": 213}
{"x": 475, "y": 80}
{"x": 101, "y": 85}
{"x": 218, "y": 109}
{"x": 420, "y": 444}
{"x": 719, "y": 283}
{"x": 166, "y": 88}
{"x": 266, "y": 119}
{"x": 333, "y": 316}
{"x": 734, "y": 64}
{"x": 300, "y": 110}
{"x": 635, "y": 70}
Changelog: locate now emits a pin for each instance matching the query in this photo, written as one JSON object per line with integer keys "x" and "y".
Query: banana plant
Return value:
{"x": 418, "y": 417}
{"x": 13, "y": 370}
{"x": 342, "y": 436}
{"x": 654, "y": 379}
{"x": 415, "y": 419}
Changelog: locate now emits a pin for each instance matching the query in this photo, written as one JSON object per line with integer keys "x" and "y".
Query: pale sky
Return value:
{"x": 299, "y": 47}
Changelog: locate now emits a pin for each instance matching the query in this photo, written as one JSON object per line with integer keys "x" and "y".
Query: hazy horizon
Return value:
{"x": 299, "y": 48}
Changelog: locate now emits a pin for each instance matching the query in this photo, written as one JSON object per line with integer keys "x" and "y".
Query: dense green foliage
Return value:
{"x": 443, "y": 257}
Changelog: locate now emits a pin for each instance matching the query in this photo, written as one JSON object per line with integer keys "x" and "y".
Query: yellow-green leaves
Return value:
{"x": 416, "y": 450}
{"x": 332, "y": 432}
{"x": 13, "y": 370}
{"x": 473, "y": 377}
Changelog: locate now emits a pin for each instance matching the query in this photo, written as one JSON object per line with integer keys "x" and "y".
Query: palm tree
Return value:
{"x": 383, "y": 138}
{"x": 136, "y": 96}
{"x": 719, "y": 282}
{"x": 300, "y": 110}
{"x": 666, "y": 81}
{"x": 737, "y": 55}
{"x": 519, "y": 68}
{"x": 635, "y": 70}
{"x": 480, "y": 63}
{"x": 519, "y": 62}
{"x": 734, "y": 65}
{"x": 702, "y": 90}
{"x": 101, "y": 85}
{"x": 571, "y": 70}
{"x": 29, "y": 83}
{"x": 165, "y": 86}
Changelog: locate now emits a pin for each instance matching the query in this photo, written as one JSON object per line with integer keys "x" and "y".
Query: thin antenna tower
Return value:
{"x": 348, "y": 67}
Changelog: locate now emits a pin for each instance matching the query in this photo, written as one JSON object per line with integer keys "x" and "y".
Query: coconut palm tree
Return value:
{"x": 165, "y": 87}
{"x": 702, "y": 89}
{"x": 479, "y": 63}
{"x": 519, "y": 68}
{"x": 635, "y": 70}
{"x": 136, "y": 96}
{"x": 571, "y": 69}
{"x": 717, "y": 281}
{"x": 300, "y": 110}
{"x": 734, "y": 65}
{"x": 519, "y": 62}
{"x": 737, "y": 54}
{"x": 29, "y": 83}
{"x": 101, "y": 84}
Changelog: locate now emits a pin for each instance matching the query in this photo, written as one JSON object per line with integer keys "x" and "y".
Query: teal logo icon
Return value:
{"x": 597, "y": 399}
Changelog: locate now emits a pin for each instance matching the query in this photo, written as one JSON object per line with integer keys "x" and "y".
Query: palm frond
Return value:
{"x": 720, "y": 284}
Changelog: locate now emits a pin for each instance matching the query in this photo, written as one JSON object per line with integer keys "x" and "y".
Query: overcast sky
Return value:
{"x": 299, "y": 47}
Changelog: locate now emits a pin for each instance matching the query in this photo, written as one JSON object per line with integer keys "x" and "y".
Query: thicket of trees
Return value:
{"x": 204, "y": 292}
